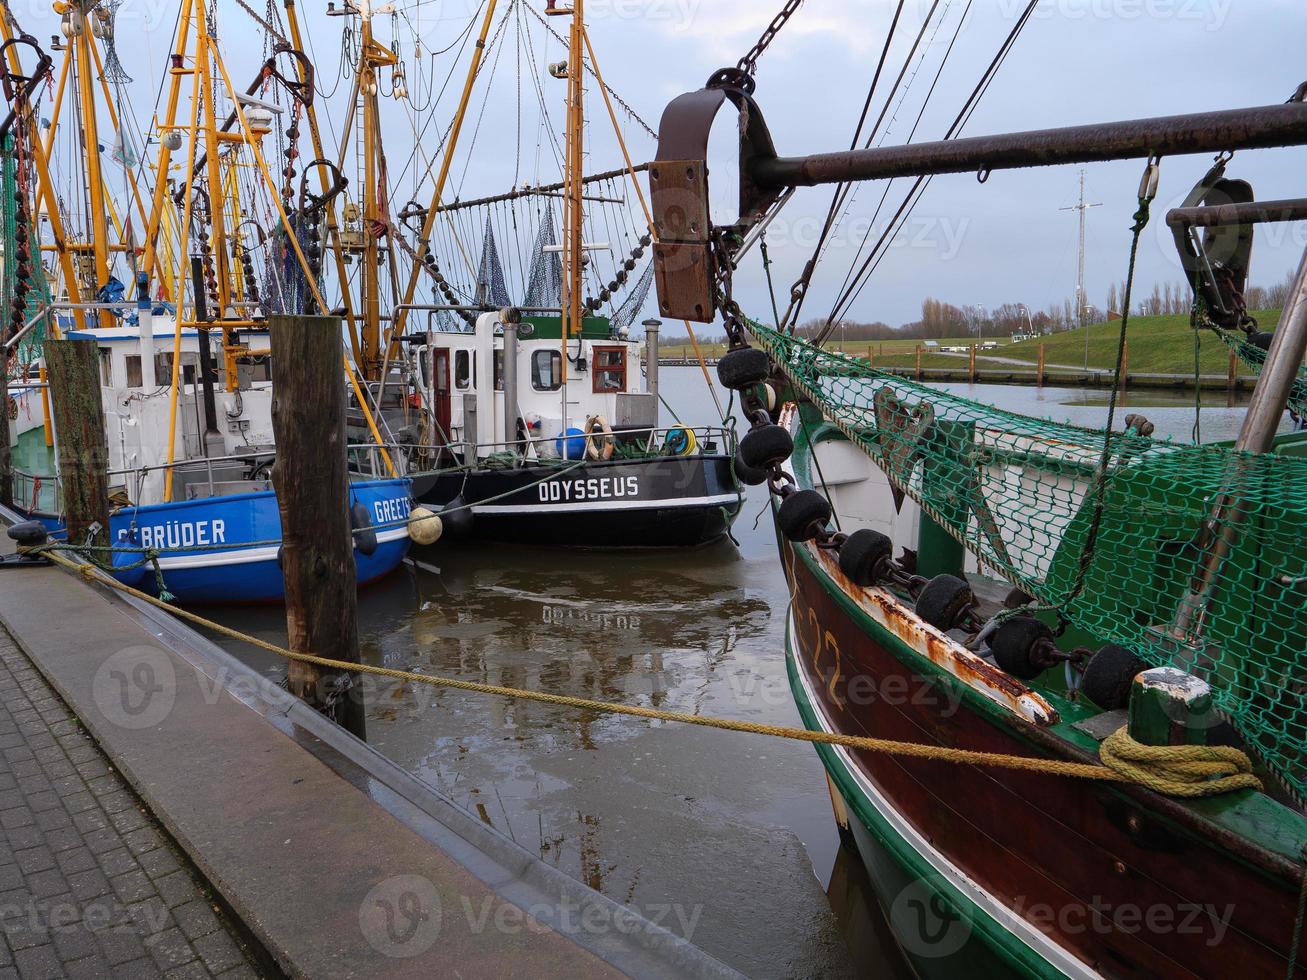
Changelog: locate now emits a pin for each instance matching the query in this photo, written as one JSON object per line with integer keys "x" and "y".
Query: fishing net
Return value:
{"x": 1255, "y": 358}
{"x": 1114, "y": 530}
{"x": 30, "y": 347}
{"x": 491, "y": 287}
{"x": 546, "y": 282}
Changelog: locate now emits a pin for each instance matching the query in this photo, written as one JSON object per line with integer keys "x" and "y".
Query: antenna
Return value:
{"x": 1082, "y": 207}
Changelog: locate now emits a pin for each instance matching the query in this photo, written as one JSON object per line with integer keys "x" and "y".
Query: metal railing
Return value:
{"x": 28, "y": 487}
{"x": 649, "y": 442}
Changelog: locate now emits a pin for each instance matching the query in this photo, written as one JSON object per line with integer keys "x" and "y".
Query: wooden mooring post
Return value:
{"x": 918, "y": 362}
{"x": 1232, "y": 373}
{"x": 972, "y": 370}
{"x": 312, "y": 484}
{"x": 1125, "y": 365}
{"x": 73, "y": 367}
{"x": 6, "y": 454}
{"x": 1040, "y": 374}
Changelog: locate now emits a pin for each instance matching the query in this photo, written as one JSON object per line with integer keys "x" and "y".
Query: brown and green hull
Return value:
{"x": 1035, "y": 874}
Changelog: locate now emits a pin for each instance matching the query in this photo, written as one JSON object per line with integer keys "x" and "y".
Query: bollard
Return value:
{"x": 83, "y": 455}
{"x": 1041, "y": 364}
{"x": 312, "y": 484}
{"x": 1170, "y": 707}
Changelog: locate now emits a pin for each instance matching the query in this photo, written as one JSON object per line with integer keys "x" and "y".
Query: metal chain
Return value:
{"x": 263, "y": 23}
{"x": 589, "y": 68}
{"x": 749, "y": 63}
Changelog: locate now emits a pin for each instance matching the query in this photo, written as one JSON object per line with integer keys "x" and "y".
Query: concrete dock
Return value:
{"x": 321, "y": 856}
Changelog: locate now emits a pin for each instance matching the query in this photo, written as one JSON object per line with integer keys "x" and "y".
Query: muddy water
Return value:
{"x": 726, "y": 839}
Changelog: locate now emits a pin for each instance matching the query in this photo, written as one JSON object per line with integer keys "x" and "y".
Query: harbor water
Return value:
{"x": 724, "y": 838}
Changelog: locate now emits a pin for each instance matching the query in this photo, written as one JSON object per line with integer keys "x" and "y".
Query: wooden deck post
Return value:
{"x": 1040, "y": 380}
{"x": 74, "y": 370}
{"x": 973, "y": 363}
{"x": 918, "y": 362}
{"x": 312, "y": 484}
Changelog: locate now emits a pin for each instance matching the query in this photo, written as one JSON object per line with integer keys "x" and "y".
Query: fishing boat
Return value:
{"x": 1078, "y": 752}
{"x": 524, "y": 402}
{"x": 188, "y": 434}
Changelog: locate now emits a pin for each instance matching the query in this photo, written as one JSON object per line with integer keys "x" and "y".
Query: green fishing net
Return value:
{"x": 1115, "y": 530}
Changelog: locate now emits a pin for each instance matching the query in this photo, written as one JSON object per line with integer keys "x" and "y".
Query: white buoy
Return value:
{"x": 424, "y": 526}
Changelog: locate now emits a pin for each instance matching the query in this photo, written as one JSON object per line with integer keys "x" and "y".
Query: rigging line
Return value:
{"x": 489, "y": 87}
{"x": 546, "y": 123}
{"x": 902, "y": 90}
{"x": 453, "y": 68}
{"x": 616, "y": 98}
{"x": 921, "y": 183}
{"x": 911, "y": 135}
{"x": 842, "y": 190}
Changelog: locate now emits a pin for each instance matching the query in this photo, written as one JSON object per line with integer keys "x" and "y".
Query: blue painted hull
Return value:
{"x": 224, "y": 549}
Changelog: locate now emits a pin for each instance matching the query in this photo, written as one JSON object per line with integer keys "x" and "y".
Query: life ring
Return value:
{"x": 599, "y": 441}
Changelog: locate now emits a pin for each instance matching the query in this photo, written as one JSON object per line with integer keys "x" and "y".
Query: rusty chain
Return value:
{"x": 749, "y": 63}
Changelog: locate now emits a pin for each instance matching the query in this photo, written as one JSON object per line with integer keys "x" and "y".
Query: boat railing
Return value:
{"x": 650, "y": 441}
{"x": 44, "y": 492}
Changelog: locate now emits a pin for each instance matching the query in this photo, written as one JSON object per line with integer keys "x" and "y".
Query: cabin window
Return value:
{"x": 609, "y": 370}
{"x": 546, "y": 370}
{"x": 134, "y": 377}
{"x": 464, "y": 370}
{"x": 255, "y": 369}
{"x": 163, "y": 368}
{"x": 106, "y": 367}
{"x": 499, "y": 370}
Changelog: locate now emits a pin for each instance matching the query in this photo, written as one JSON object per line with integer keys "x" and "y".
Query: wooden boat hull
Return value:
{"x": 996, "y": 872}
{"x": 659, "y": 502}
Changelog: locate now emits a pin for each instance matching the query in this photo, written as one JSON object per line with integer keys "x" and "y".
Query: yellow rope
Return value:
{"x": 1179, "y": 770}
{"x": 914, "y": 750}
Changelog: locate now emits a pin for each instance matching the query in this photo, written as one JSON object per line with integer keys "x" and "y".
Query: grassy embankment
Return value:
{"x": 1156, "y": 345}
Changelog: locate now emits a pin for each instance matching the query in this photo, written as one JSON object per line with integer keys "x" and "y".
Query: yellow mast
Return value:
{"x": 371, "y": 57}
{"x": 429, "y": 223}
{"x": 176, "y": 73}
{"x": 333, "y": 227}
{"x": 81, "y": 42}
{"x": 575, "y": 173}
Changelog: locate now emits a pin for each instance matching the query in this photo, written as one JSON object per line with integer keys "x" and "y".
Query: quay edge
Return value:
{"x": 295, "y": 823}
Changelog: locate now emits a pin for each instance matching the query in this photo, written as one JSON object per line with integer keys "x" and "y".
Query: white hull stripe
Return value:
{"x": 721, "y": 500}
{"x": 247, "y": 556}
{"x": 988, "y": 904}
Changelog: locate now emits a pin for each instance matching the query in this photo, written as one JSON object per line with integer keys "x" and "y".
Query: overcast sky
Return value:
{"x": 1079, "y": 61}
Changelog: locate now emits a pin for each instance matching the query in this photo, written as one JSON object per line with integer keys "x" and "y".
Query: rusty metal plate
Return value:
{"x": 679, "y": 197}
{"x": 683, "y": 274}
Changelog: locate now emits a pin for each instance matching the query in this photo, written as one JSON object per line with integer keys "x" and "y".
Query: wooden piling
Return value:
{"x": 1041, "y": 365}
{"x": 1232, "y": 373}
{"x": 312, "y": 484}
{"x": 6, "y": 456}
{"x": 1125, "y": 364}
{"x": 73, "y": 367}
{"x": 918, "y": 362}
{"x": 973, "y": 364}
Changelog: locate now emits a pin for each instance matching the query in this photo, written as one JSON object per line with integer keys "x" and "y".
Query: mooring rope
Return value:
{"x": 1179, "y": 770}
{"x": 1055, "y": 767}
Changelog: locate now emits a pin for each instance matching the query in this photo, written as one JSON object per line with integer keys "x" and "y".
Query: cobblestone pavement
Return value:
{"x": 90, "y": 885}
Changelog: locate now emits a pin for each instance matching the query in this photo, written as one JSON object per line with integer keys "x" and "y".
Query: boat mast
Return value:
{"x": 372, "y": 56}
{"x": 76, "y": 30}
{"x": 574, "y": 166}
